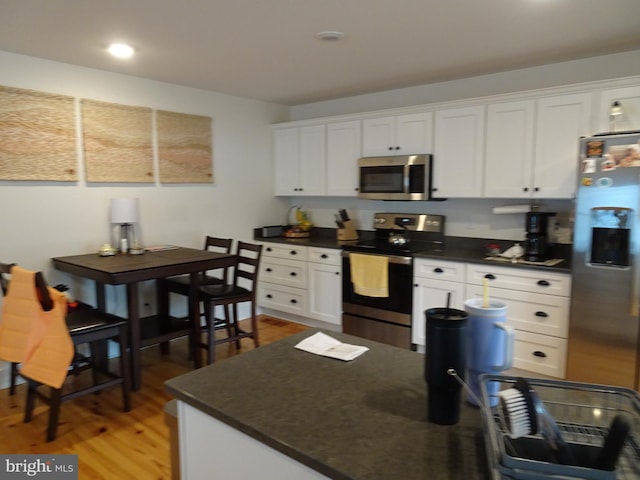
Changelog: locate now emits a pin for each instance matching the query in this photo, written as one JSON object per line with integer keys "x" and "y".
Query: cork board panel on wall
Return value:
{"x": 184, "y": 148}
{"x": 37, "y": 136}
{"x": 117, "y": 142}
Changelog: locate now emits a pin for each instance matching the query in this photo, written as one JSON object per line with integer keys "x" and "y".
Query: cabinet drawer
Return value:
{"x": 283, "y": 298}
{"x": 439, "y": 269}
{"x": 327, "y": 256}
{"x": 540, "y": 353}
{"x": 531, "y": 312}
{"x": 535, "y": 281}
{"x": 281, "y": 250}
{"x": 283, "y": 272}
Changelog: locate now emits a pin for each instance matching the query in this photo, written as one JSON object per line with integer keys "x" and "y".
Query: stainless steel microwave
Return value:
{"x": 406, "y": 177}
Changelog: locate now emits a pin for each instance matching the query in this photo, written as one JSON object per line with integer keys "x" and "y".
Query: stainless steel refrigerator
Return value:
{"x": 604, "y": 331}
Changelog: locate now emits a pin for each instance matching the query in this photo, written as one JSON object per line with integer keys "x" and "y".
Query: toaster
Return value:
{"x": 272, "y": 231}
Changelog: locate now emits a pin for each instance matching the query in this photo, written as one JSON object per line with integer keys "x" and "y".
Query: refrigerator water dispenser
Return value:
{"x": 610, "y": 235}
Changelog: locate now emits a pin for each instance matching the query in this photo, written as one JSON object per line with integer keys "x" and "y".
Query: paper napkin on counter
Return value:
{"x": 321, "y": 344}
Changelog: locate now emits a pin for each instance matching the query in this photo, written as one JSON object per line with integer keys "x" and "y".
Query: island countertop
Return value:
{"x": 363, "y": 419}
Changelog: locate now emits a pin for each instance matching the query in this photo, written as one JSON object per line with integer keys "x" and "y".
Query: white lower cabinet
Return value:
{"x": 304, "y": 281}
{"x": 325, "y": 285}
{"x": 537, "y": 308}
{"x": 282, "y": 281}
{"x": 433, "y": 281}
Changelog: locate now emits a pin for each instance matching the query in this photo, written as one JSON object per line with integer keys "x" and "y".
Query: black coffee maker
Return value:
{"x": 537, "y": 244}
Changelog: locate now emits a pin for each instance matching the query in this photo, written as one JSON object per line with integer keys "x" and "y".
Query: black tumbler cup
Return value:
{"x": 446, "y": 349}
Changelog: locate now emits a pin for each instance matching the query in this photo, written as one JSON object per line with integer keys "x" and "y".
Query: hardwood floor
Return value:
{"x": 110, "y": 443}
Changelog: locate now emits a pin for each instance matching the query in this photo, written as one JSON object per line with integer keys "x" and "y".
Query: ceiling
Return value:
{"x": 267, "y": 49}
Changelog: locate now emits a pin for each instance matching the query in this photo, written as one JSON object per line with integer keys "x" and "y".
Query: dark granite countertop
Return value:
{"x": 364, "y": 419}
{"x": 458, "y": 249}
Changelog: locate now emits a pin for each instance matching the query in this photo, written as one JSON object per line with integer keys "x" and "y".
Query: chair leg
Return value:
{"x": 211, "y": 332}
{"x": 162, "y": 292}
{"x": 124, "y": 368}
{"x": 14, "y": 377}
{"x": 30, "y": 401}
{"x": 54, "y": 413}
{"x": 94, "y": 353}
{"x": 236, "y": 326}
{"x": 254, "y": 325}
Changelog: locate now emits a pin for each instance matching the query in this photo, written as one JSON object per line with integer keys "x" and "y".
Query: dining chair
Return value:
{"x": 242, "y": 289}
{"x": 89, "y": 326}
{"x": 181, "y": 284}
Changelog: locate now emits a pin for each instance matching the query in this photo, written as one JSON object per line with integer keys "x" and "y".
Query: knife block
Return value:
{"x": 348, "y": 232}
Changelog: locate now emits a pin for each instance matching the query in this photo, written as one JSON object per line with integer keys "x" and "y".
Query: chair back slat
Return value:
{"x": 248, "y": 263}
{"x": 222, "y": 245}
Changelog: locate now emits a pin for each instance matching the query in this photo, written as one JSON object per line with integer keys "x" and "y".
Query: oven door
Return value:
{"x": 396, "y": 308}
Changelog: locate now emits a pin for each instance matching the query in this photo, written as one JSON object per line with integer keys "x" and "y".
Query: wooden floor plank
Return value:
{"x": 110, "y": 443}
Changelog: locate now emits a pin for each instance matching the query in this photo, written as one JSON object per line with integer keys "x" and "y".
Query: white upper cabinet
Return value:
{"x": 629, "y": 99}
{"x": 407, "y": 134}
{"x": 561, "y": 121}
{"x": 532, "y": 146}
{"x": 509, "y": 156}
{"x": 459, "y": 152}
{"x": 300, "y": 160}
{"x": 344, "y": 145}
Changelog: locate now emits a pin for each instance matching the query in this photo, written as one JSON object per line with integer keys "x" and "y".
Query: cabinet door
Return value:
{"x": 561, "y": 121}
{"x": 286, "y": 157}
{"x": 325, "y": 292}
{"x": 378, "y": 137}
{"x": 459, "y": 152}
{"x": 509, "y": 154}
{"x": 629, "y": 98}
{"x": 414, "y": 133}
{"x": 432, "y": 294}
{"x": 343, "y": 151}
{"x": 407, "y": 134}
{"x": 312, "y": 160}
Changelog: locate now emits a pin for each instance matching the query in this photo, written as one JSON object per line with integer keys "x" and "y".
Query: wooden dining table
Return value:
{"x": 130, "y": 270}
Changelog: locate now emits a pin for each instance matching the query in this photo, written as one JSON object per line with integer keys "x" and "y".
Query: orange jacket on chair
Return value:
{"x": 30, "y": 335}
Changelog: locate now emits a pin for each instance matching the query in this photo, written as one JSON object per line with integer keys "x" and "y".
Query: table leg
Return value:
{"x": 101, "y": 297}
{"x": 101, "y": 348}
{"x": 194, "y": 315}
{"x": 135, "y": 339}
{"x": 162, "y": 296}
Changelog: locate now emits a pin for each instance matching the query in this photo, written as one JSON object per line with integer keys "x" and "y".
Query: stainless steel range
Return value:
{"x": 397, "y": 237}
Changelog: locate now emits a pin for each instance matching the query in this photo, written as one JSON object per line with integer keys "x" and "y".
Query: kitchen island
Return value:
{"x": 278, "y": 413}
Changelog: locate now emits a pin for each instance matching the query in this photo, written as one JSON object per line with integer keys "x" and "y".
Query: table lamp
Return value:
{"x": 124, "y": 211}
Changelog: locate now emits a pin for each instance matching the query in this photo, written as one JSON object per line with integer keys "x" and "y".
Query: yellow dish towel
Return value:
{"x": 369, "y": 275}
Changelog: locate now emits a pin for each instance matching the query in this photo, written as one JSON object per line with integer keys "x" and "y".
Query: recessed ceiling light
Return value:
{"x": 120, "y": 50}
{"x": 330, "y": 36}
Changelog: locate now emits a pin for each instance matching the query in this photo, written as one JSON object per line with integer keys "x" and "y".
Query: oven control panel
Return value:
{"x": 409, "y": 221}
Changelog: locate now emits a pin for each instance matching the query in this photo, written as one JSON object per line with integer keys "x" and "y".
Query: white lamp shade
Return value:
{"x": 124, "y": 210}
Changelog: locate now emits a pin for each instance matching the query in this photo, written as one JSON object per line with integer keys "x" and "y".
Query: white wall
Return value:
{"x": 40, "y": 220}
{"x": 592, "y": 69}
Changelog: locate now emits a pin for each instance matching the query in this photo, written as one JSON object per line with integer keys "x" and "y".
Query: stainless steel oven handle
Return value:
{"x": 396, "y": 259}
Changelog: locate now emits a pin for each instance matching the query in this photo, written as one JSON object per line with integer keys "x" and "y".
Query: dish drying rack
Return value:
{"x": 583, "y": 413}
